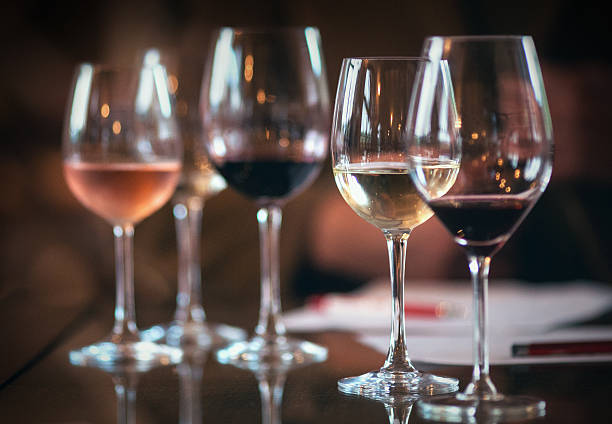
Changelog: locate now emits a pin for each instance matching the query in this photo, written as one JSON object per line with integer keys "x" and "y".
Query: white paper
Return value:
{"x": 450, "y": 350}
{"x": 518, "y": 312}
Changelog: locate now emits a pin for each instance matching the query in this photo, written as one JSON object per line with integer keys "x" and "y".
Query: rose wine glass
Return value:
{"x": 199, "y": 181}
{"x": 122, "y": 160}
{"x": 372, "y": 174}
{"x": 481, "y": 102}
{"x": 265, "y": 109}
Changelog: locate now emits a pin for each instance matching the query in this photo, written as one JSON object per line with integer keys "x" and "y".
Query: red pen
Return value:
{"x": 341, "y": 304}
{"x": 562, "y": 348}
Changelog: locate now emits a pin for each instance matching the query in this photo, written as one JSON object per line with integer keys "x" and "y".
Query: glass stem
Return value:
{"x": 397, "y": 358}
{"x": 481, "y": 384}
{"x": 125, "y": 329}
{"x": 190, "y": 381}
{"x": 125, "y": 390}
{"x": 398, "y": 414}
{"x": 270, "y": 326}
{"x": 271, "y": 391}
{"x": 188, "y": 222}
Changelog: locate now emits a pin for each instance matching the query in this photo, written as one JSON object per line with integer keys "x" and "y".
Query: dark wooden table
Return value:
{"x": 39, "y": 385}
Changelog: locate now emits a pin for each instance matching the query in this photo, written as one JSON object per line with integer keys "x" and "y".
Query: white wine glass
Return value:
{"x": 265, "y": 109}
{"x": 480, "y": 100}
{"x": 199, "y": 182}
{"x": 371, "y": 171}
{"x": 122, "y": 161}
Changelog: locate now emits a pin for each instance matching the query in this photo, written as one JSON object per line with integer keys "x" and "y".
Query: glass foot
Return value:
{"x": 202, "y": 335}
{"x": 388, "y": 386}
{"x": 256, "y": 353}
{"x": 466, "y": 408}
{"x": 137, "y": 355}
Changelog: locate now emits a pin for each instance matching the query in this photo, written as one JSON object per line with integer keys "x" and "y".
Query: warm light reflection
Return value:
{"x": 474, "y": 136}
{"x": 500, "y": 161}
{"x": 261, "y": 96}
{"x": 248, "y": 68}
{"x": 517, "y": 173}
{"x": 116, "y": 127}
{"x": 458, "y": 123}
{"x": 105, "y": 110}
{"x": 447, "y": 45}
{"x": 182, "y": 108}
{"x": 172, "y": 83}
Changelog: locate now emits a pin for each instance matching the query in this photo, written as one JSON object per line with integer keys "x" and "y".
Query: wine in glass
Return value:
{"x": 199, "y": 181}
{"x": 372, "y": 173}
{"x": 265, "y": 109}
{"x": 480, "y": 101}
{"x": 122, "y": 160}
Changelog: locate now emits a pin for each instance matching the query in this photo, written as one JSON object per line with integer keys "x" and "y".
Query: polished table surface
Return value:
{"x": 39, "y": 385}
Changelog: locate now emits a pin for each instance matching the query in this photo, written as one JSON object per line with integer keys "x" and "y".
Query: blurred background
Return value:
{"x": 57, "y": 256}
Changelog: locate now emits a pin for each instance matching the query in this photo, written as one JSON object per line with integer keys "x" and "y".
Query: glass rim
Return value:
{"x": 266, "y": 29}
{"x": 111, "y": 67}
{"x": 389, "y": 58}
{"x": 491, "y": 37}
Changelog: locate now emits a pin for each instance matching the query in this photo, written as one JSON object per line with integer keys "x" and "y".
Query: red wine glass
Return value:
{"x": 480, "y": 101}
{"x": 265, "y": 109}
{"x": 122, "y": 161}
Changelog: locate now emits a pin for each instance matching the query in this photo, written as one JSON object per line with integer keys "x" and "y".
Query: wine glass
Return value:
{"x": 372, "y": 174}
{"x": 199, "y": 181}
{"x": 122, "y": 160}
{"x": 265, "y": 109}
{"x": 480, "y": 101}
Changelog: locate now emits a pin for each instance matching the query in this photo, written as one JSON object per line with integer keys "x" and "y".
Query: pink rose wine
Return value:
{"x": 122, "y": 193}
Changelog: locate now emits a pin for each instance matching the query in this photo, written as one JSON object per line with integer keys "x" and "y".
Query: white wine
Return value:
{"x": 201, "y": 181}
{"x": 383, "y": 193}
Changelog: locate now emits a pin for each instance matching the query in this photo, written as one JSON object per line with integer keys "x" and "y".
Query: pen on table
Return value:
{"x": 348, "y": 304}
{"x": 562, "y": 348}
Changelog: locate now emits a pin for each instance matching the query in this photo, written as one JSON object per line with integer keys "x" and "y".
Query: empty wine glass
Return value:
{"x": 199, "y": 181}
{"x": 480, "y": 101}
{"x": 371, "y": 171}
{"x": 122, "y": 160}
{"x": 265, "y": 109}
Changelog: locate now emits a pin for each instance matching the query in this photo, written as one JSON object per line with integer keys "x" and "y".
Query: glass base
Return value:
{"x": 137, "y": 355}
{"x": 468, "y": 408}
{"x": 256, "y": 353}
{"x": 194, "y": 334}
{"x": 388, "y": 386}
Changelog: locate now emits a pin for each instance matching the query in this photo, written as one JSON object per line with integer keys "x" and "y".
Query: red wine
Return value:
{"x": 481, "y": 225}
{"x": 122, "y": 193}
{"x": 268, "y": 179}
